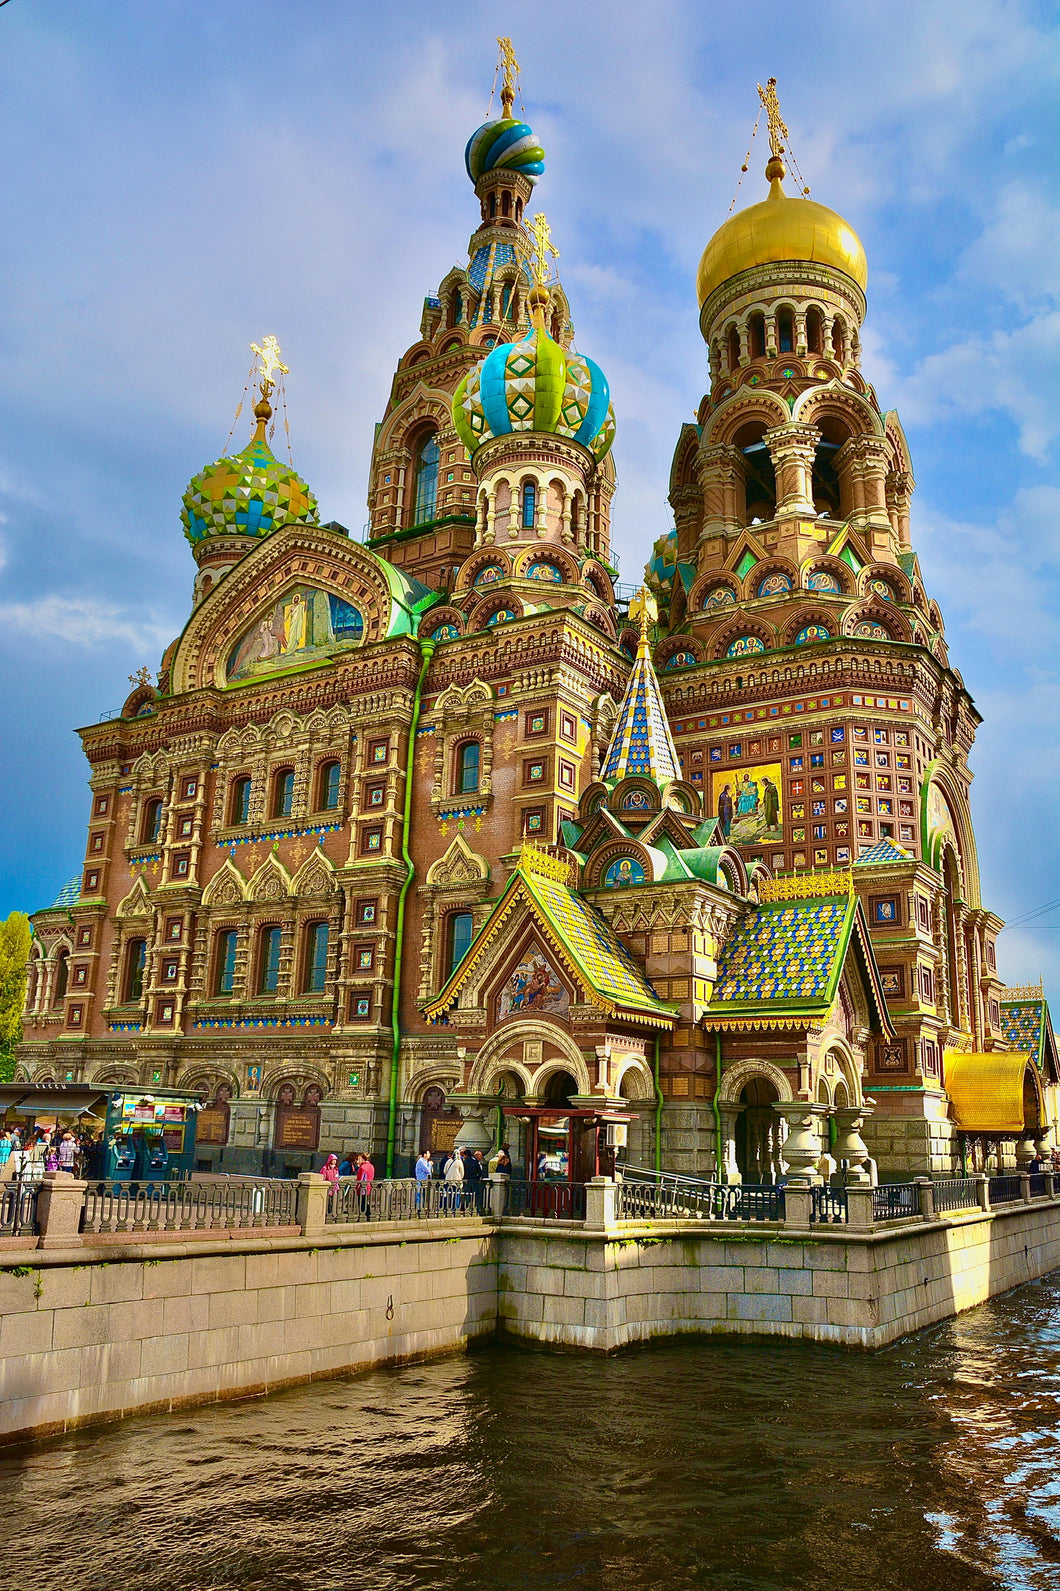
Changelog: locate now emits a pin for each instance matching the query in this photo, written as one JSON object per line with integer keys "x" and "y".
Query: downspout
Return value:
{"x": 426, "y": 653}
{"x": 718, "y": 1145}
{"x": 658, "y": 1109}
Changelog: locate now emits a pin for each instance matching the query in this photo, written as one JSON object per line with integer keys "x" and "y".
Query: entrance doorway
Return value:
{"x": 758, "y": 1130}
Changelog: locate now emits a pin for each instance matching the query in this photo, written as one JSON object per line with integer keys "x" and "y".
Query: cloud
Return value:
{"x": 83, "y": 622}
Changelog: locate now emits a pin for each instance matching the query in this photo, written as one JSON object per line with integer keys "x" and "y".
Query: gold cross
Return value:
{"x": 269, "y": 354}
{"x": 511, "y": 72}
{"x": 545, "y": 250}
{"x": 778, "y": 132}
{"x": 644, "y": 609}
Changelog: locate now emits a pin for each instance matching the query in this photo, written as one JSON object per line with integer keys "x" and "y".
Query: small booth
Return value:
{"x": 125, "y": 1135}
{"x": 566, "y": 1146}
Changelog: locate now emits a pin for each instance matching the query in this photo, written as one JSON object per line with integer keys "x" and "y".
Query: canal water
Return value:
{"x": 932, "y": 1466}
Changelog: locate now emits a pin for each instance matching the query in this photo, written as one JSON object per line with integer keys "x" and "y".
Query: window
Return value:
{"x": 467, "y": 766}
{"x": 283, "y": 793}
{"x": 375, "y": 795}
{"x": 785, "y": 332}
{"x": 316, "y": 958}
{"x": 181, "y": 864}
{"x": 529, "y": 505}
{"x": 360, "y": 1008}
{"x": 165, "y": 1013}
{"x": 330, "y": 774}
{"x": 425, "y": 477}
{"x": 269, "y": 960}
{"x": 225, "y": 964}
{"x": 364, "y": 958}
{"x": 174, "y": 927}
{"x": 91, "y": 883}
{"x": 170, "y": 971}
{"x": 460, "y": 929}
{"x": 84, "y": 937}
{"x": 239, "y": 803}
{"x": 135, "y": 959}
{"x": 152, "y": 824}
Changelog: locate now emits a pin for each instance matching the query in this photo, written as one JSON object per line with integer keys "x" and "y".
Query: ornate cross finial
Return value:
{"x": 269, "y": 354}
{"x": 778, "y": 132}
{"x": 511, "y": 73}
{"x": 544, "y": 252}
{"x": 141, "y": 677}
{"x": 644, "y": 610}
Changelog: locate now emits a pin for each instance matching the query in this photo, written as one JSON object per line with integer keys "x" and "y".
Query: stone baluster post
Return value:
{"x": 982, "y": 1188}
{"x": 600, "y": 1195}
{"x": 498, "y": 1194}
{"x": 312, "y": 1204}
{"x": 802, "y": 1146}
{"x": 59, "y": 1205}
{"x": 849, "y": 1144}
{"x": 926, "y": 1194}
{"x": 859, "y": 1208}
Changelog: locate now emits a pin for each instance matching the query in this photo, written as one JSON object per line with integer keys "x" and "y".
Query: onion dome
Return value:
{"x": 246, "y": 494}
{"x": 780, "y": 228}
{"x": 535, "y": 385}
{"x": 507, "y": 145}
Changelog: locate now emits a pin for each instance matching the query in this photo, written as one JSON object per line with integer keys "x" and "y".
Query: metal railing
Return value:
{"x": 1005, "y": 1190}
{"x": 404, "y": 1199}
{"x": 954, "y": 1193}
{"x": 828, "y": 1206}
{"x": 189, "y": 1206}
{"x": 1038, "y": 1187}
{"x": 676, "y": 1198}
{"x": 555, "y": 1201}
{"x": 18, "y": 1208}
{"x": 895, "y": 1201}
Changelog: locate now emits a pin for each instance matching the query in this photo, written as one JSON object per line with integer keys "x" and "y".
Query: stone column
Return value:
{"x": 1024, "y": 1151}
{"x": 719, "y": 471}
{"x": 600, "y": 1204}
{"x": 802, "y": 1146}
{"x": 1025, "y": 1186}
{"x": 729, "y": 1171}
{"x": 926, "y": 1193}
{"x": 498, "y": 1194}
{"x": 474, "y": 1108}
{"x": 859, "y": 1209}
{"x": 982, "y": 1188}
{"x": 849, "y": 1144}
{"x": 793, "y": 449}
{"x": 59, "y": 1205}
{"x": 312, "y": 1203}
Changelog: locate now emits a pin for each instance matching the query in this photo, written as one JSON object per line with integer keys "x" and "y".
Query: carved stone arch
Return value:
{"x": 826, "y": 617}
{"x": 210, "y": 1074}
{"x": 736, "y": 1078}
{"x": 836, "y": 399}
{"x": 459, "y": 865}
{"x": 826, "y": 564}
{"x": 137, "y": 902}
{"x": 110, "y": 1076}
{"x": 226, "y": 887}
{"x": 683, "y": 468}
{"x": 834, "y": 1044}
{"x": 601, "y": 620}
{"x": 732, "y": 865}
{"x": 482, "y": 559}
{"x": 634, "y": 1081}
{"x": 443, "y": 1075}
{"x": 612, "y": 851}
{"x": 766, "y": 567}
{"x": 271, "y": 882}
{"x": 491, "y": 1056}
{"x": 896, "y": 437}
{"x": 673, "y": 644}
{"x": 749, "y": 405}
{"x": 480, "y": 615}
{"x": 896, "y": 578}
{"x": 435, "y": 618}
{"x": 874, "y": 611}
{"x": 298, "y": 1075}
{"x": 140, "y": 703}
{"x": 550, "y": 552}
{"x": 315, "y": 879}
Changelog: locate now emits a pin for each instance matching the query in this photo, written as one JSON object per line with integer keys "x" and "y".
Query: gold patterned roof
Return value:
{"x": 780, "y": 228}
{"x": 986, "y": 1090}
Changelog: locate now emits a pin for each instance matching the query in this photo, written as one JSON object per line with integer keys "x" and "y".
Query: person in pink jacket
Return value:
{"x": 365, "y": 1178}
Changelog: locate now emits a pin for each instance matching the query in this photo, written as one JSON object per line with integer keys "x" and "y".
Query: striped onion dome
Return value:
{"x": 535, "y": 385}
{"x": 505, "y": 144}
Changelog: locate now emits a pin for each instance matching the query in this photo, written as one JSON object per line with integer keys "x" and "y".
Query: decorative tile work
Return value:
{"x": 266, "y": 1022}
{"x": 69, "y": 895}
{"x": 277, "y": 834}
{"x": 883, "y": 851}
{"x": 785, "y": 951}
{"x": 248, "y": 494}
{"x": 1023, "y": 1024}
{"x": 641, "y": 742}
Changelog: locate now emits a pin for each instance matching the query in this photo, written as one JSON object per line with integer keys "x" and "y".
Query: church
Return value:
{"x": 447, "y": 829}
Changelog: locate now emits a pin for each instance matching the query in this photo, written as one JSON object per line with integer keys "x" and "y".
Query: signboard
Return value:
{"x": 213, "y": 1125}
{"x": 297, "y": 1128}
{"x": 443, "y": 1133}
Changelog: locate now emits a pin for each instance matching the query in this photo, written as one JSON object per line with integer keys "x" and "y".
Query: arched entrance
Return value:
{"x": 758, "y": 1132}
{"x": 559, "y": 1088}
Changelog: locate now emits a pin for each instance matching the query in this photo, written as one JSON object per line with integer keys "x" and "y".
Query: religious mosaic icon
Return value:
{"x": 534, "y": 987}
{"x": 304, "y": 622}
{"x": 747, "y": 802}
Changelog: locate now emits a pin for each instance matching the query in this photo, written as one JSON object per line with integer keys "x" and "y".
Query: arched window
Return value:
{"x": 734, "y": 348}
{"x": 467, "y": 767}
{"x": 239, "y": 804}
{"x": 283, "y": 793}
{"x": 493, "y": 205}
{"x": 328, "y": 792}
{"x": 574, "y": 517}
{"x": 506, "y": 203}
{"x": 458, "y": 309}
{"x": 62, "y": 977}
{"x": 506, "y": 302}
{"x": 518, "y": 209}
{"x": 315, "y": 963}
{"x": 152, "y": 824}
{"x": 135, "y": 959}
{"x": 225, "y": 962}
{"x": 269, "y": 960}
{"x": 425, "y": 478}
{"x": 756, "y": 336}
{"x": 529, "y": 505}
{"x": 838, "y": 340}
{"x": 785, "y": 332}
{"x": 814, "y": 331}
{"x": 459, "y": 932}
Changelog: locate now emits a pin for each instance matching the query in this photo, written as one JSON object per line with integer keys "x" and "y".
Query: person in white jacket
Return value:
{"x": 454, "y": 1177}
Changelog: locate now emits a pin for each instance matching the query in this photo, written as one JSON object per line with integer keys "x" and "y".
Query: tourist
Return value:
{"x": 67, "y": 1153}
{"x": 454, "y": 1179}
{"x": 348, "y": 1167}
{"x": 365, "y": 1179}
{"x": 424, "y": 1173}
{"x": 474, "y": 1172}
{"x": 6, "y": 1146}
{"x": 330, "y": 1172}
{"x": 502, "y": 1165}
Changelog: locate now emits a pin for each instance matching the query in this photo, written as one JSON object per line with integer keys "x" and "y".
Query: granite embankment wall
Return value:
{"x": 91, "y": 1329}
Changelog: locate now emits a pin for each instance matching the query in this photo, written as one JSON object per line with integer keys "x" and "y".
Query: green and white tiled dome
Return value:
{"x": 246, "y": 494}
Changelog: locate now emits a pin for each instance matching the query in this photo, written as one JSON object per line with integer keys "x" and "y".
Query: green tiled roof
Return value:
{"x": 786, "y": 950}
{"x": 69, "y": 895}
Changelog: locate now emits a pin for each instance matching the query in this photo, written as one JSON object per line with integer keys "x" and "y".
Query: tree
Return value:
{"x": 14, "y": 958}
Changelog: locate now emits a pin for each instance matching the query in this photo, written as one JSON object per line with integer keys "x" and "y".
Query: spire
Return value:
{"x": 642, "y": 744}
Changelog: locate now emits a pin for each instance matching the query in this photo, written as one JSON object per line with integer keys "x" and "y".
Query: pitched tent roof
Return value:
{"x": 641, "y": 742}
{"x": 783, "y": 961}
{"x": 986, "y": 1090}
{"x": 581, "y": 935}
{"x": 1026, "y": 1024}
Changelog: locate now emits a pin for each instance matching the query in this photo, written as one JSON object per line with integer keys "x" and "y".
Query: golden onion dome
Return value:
{"x": 780, "y": 228}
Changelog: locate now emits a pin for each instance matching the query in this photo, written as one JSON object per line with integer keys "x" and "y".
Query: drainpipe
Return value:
{"x": 426, "y": 653}
{"x": 658, "y": 1110}
{"x": 718, "y": 1145}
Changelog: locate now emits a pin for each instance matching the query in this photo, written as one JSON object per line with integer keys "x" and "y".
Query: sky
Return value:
{"x": 179, "y": 180}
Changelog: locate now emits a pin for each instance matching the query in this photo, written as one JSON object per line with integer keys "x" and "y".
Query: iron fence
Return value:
{"x": 828, "y": 1206}
{"x": 895, "y": 1201}
{"x": 556, "y": 1201}
{"x": 1038, "y": 1188}
{"x": 1005, "y": 1190}
{"x": 189, "y": 1206}
{"x": 955, "y": 1193}
{"x": 675, "y": 1198}
{"x": 403, "y": 1199}
{"x": 18, "y": 1208}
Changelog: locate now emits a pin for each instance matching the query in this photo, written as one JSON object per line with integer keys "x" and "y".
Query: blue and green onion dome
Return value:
{"x": 535, "y": 385}
{"x": 246, "y": 494}
{"x": 506, "y": 145}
